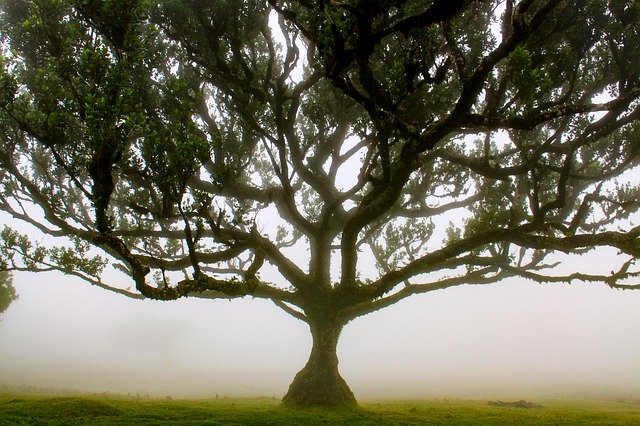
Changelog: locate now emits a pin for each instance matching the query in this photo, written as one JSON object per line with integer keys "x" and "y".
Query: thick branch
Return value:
{"x": 627, "y": 242}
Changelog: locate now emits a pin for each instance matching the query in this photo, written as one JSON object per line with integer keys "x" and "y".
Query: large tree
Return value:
{"x": 195, "y": 144}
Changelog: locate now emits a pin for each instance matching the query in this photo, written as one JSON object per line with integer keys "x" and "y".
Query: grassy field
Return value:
{"x": 29, "y": 409}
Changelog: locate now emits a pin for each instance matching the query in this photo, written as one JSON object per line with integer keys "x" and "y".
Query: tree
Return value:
{"x": 7, "y": 292}
{"x": 447, "y": 142}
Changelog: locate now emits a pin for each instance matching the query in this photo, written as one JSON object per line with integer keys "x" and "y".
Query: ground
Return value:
{"x": 107, "y": 409}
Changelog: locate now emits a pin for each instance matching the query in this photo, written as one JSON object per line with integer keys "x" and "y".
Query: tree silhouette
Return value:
{"x": 7, "y": 292}
{"x": 195, "y": 144}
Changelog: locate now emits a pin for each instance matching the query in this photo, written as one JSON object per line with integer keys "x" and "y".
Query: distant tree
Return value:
{"x": 7, "y": 292}
{"x": 445, "y": 142}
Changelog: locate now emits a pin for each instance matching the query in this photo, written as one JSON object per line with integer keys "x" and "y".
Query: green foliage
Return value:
{"x": 8, "y": 84}
{"x": 118, "y": 115}
{"x": 492, "y": 212}
{"x": 453, "y": 234}
{"x": 532, "y": 83}
{"x": 76, "y": 258}
{"x": 7, "y": 291}
{"x": 18, "y": 251}
{"x": 147, "y": 119}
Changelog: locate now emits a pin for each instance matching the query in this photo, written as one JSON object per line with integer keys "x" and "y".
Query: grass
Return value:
{"x": 29, "y": 409}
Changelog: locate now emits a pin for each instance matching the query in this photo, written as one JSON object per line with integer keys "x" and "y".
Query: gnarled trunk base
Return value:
{"x": 314, "y": 387}
{"x": 319, "y": 383}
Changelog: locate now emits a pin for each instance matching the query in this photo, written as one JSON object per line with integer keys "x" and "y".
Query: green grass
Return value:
{"x": 29, "y": 409}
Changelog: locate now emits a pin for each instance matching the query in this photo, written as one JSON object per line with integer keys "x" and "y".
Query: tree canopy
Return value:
{"x": 407, "y": 146}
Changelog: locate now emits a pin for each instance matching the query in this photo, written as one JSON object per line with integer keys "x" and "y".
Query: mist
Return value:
{"x": 514, "y": 338}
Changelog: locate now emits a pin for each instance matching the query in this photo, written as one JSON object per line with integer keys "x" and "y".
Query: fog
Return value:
{"x": 515, "y": 338}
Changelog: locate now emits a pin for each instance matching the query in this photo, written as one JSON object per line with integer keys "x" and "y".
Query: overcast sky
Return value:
{"x": 514, "y": 339}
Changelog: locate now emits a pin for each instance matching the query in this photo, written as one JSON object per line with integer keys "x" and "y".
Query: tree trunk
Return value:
{"x": 319, "y": 383}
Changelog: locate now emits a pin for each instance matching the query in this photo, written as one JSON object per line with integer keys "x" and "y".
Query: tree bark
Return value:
{"x": 319, "y": 383}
